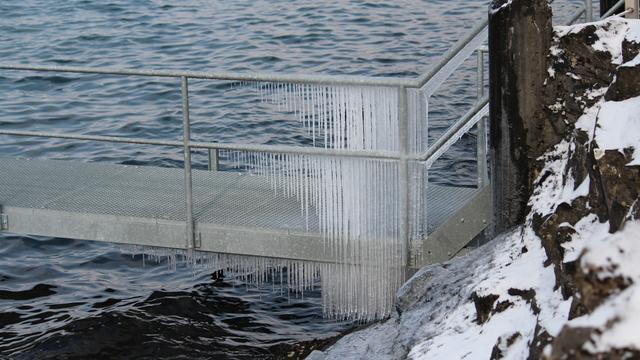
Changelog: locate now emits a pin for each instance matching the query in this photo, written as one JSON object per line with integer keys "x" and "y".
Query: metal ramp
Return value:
{"x": 234, "y": 213}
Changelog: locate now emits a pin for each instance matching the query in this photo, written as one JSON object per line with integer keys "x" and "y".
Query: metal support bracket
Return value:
{"x": 458, "y": 230}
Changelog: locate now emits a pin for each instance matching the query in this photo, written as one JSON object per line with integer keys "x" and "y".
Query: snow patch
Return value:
{"x": 618, "y": 127}
{"x": 632, "y": 63}
{"x": 511, "y": 268}
{"x": 573, "y": 76}
{"x": 610, "y": 33}
{"x": 620, "y": 315}
{"x": 473, "y": 341}
{"x": 585, "y": 229}
{"x": 557, "y": 186}
{"x": 507, "y": 3}
{"x": 587, "y": 122}
{"x": 634, "y": 31}
{"x": 596, "y": 93}
{"x": 614, "y": 255}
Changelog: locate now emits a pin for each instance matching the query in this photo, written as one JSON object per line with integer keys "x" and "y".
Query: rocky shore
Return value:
{"x": 566, "y": 283}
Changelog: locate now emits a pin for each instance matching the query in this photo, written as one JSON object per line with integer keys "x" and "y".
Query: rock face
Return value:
{"x": 565, "y": 284}
{"x": 598, "y": 64}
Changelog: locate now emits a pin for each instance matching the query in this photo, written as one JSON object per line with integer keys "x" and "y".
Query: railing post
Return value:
{"x": 188, "y": 191}
{"x": 482, "y": 127}
{"x": 214, "y": 160}
{"x": 403, "y": 172}
{"x": 588, "y": 10}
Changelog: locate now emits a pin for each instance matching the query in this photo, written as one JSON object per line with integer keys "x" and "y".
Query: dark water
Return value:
{"x": 62, "y": 298}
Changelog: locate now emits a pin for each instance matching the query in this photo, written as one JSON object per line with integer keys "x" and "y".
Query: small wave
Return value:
{"x": 40, "y": 290}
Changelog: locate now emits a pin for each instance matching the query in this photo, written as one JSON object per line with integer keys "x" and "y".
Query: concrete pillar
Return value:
{"x": 520, "y": 35}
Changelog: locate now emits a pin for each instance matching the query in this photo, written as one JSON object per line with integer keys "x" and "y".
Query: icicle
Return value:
{"x": 355, "y": 201}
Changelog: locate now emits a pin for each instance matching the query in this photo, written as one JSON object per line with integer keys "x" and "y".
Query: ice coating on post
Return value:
{"x": 355, "y": 200}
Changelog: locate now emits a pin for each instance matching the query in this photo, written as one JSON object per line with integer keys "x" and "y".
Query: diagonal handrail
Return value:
{"x": 613, "y": 9}
{"x": 441, "y": 70}
{"x": 453, "y": 53}
{"x": 454, "y": 132}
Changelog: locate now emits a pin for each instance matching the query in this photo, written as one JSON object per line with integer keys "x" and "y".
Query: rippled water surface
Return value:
{"x": 62, "y": 298}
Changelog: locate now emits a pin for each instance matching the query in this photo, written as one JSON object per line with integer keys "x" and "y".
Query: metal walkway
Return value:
{"x": 141, "y": 205}
{"x": 239, "y": 213}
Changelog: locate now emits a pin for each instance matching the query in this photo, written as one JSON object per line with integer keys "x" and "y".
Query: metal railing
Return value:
{"x": 430, "y": 81}
{"x": 188, "y": 145}
{"x": 403, "y": 157}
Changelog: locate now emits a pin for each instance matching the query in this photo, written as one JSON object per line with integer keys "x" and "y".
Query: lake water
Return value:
{"x": 62, "y": 298}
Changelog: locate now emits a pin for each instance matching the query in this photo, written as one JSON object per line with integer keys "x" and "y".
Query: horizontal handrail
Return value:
{"x": 370, "y": 154}
{"x": 278, "y": 149}
{"x": 453, "y": 52}
{"x": 224, "y": 75}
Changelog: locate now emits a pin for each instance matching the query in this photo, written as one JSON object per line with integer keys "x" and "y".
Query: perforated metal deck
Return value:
{"x": 234, "y": 213}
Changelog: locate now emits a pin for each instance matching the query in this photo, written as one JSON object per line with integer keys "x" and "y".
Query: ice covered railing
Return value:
{"x": 358, "y": 183}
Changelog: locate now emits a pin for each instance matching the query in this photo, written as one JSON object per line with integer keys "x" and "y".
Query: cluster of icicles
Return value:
{"x": 354, "y": 201}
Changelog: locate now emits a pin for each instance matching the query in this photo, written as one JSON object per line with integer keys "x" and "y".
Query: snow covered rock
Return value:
{"x": 565, "y": 284}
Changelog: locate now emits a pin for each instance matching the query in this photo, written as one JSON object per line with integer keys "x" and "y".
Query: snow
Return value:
{"x": 632, "y": 63}
{"x": 610, "y": 33}
{"x": 618, "y": 127}
{"x": 623, "y": 311}
{"x": 614, "y": 255}
{"x": 560, "y": 187}
{"x": 459, "y": 338}
{"x": 556, "y": 51}
{"x": 447, "y": 330}
{"x": 557, "y": 107}
{"x": 596, "y": 93}
{"x": 573, "y": 76}
{"x": 587, "y": 226}
{"x": 587, "y": 122}
{"x": 507, "y": 3}
{"x": 634, "y": 31}
{"x": 465, "y": 342}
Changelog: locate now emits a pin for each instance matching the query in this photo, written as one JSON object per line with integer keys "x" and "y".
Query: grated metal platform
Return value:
{"x": 234, "y": 213}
